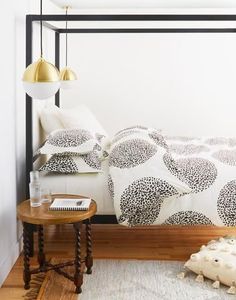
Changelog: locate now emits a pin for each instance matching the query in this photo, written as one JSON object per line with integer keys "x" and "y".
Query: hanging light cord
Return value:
{"x": 41, "y": 28}
{"x": 66, "y": 36}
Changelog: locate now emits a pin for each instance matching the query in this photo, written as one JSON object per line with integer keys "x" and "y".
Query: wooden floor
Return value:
{"x": 117, "y": 242}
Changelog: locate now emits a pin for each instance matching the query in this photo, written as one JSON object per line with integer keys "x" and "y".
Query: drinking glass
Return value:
{"x": 46, "y": 195}
{"x": 34, "y": 189}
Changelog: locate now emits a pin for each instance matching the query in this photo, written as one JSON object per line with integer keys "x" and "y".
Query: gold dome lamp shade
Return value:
{"x": 67, "y": 75}
{"x": 41, "y": 79}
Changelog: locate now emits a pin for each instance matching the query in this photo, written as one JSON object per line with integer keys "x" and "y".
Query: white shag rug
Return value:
{"x": 148, "y": 280}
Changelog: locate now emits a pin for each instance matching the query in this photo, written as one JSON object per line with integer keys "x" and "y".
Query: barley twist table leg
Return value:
{"x": 78, "y": 277}
{"x": 89, "y": 257}
{"x": 26, "y": 251}
{"x": 32, "y": 229}
{"x": 41, "y": 255}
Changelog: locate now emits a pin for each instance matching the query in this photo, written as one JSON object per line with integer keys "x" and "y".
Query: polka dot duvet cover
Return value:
{"x": 168, "y": 180}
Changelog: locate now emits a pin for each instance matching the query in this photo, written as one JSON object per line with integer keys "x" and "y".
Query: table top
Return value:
{"x": 43, "y": 216}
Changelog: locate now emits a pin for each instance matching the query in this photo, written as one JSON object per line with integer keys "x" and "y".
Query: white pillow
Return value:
{"x": 216, "y": 261}
{"x": 50, "y": 119}
{"x": 81, "y": 117}
{"x": 54, "y": 118}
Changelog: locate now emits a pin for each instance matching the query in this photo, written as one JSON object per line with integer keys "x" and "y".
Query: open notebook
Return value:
{"x": 70, "y": 204}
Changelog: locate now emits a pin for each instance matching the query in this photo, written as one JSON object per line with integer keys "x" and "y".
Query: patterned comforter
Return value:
{"x": 156, "y": 179}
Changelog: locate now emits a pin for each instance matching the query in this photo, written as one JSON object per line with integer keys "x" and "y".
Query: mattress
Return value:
{"x": 93, "y": 185}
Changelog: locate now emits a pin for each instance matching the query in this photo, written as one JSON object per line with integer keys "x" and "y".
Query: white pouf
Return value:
{"x": 216, "y": 261}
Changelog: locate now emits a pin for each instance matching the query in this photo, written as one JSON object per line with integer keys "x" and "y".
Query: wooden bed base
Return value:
{"x": 104, "y": 219}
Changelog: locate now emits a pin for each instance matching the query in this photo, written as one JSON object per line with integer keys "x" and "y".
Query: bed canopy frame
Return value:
{"x": 31, "y": 19}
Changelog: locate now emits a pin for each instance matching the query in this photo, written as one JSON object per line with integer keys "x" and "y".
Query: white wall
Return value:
{"x": 12, "y": 126}
{"x": 182, "y": 83}
{"x": 11, "y": 129}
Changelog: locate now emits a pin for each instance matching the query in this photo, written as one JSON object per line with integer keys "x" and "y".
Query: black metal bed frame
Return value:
{"x": 30, "y": 19}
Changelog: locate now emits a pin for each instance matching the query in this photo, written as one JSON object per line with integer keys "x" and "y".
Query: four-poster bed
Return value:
{"x": 30, "y": 19}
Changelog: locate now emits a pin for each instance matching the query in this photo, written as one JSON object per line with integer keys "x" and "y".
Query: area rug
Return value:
{"x": 132, "y": 280}
{"x": 36, "y": 284}
{"x": 149, "y": 280}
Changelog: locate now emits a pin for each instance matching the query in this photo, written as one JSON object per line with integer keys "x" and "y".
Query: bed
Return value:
{"x": 98, "y": 188}
{"x": 145, "y": 177}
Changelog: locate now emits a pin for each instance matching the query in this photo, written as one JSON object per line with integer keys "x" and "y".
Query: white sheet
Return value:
{"x": 93, "y": 185}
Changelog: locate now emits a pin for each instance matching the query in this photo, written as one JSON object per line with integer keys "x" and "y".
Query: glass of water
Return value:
{"x": 46, "y": 195}
{"x": 34, "y": 188}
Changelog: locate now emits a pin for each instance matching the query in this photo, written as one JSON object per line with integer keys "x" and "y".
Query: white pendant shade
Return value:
{"x": 41, "y": 90}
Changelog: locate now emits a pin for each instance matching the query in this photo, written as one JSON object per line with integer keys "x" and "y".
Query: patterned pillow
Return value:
{"x": 216, "y": 261}
{"x": 69, "y": 141}
{"x": 70, "y": 164}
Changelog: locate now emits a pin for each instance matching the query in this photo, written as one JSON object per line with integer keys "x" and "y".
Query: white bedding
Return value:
{"x": 145, "y": 180}
{"x": 93, "y": 185}
{"x": 160, "y": 180}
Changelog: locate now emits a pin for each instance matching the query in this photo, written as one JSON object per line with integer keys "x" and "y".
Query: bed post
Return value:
{"x": 28, "y": 103}
{"x": 57, "y": 63}
{"x": 29, "y": 124}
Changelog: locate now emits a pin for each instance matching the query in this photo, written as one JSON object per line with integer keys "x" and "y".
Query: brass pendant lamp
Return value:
{"x": 41, "y": 78}
{"x": 67, "y": 75}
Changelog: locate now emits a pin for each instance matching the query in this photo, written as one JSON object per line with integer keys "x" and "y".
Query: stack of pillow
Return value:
{"x": 75, "y": 140}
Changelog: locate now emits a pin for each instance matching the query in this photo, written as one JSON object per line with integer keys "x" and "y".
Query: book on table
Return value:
{"x": 70, "y": 204}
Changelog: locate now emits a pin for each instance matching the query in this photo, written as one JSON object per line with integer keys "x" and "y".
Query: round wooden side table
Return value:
{"x": 41, "y": 216}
